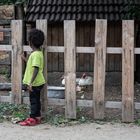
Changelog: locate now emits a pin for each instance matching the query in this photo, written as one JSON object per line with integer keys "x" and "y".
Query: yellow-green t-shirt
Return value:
{"x": 35, "y": 59}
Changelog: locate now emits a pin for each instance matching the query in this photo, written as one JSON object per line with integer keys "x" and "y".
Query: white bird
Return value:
{"x": 85, "y": 80}
{"x": 63, "y": 80}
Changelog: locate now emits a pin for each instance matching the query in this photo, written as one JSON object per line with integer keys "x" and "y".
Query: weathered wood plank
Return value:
{"x": 70, "y": 69}
{"x": 54, "y": 42}
{"x": 118, "y": 42}
{"x": 5, "y": 47}
{"x": 49, "y": 63}
{"x": 99, "y": 68}
{"x": 110, "y": 42}
{"x": 79, "y": 103}
{"x": 17, "y": 35}
{"x": 92, "y": 43}
{"x": 81, "y": 57}
{"x": 87, "y": 61}
{"x": 79, "y": 49}
{"x": 61, "y": 42}
{"x": 128, "y": 71}
{"x": 42, "y": 25}
{"x": 6, "y": 99}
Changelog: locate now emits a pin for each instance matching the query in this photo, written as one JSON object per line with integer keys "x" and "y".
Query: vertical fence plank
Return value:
{"x": 42, "y": 25}
{"x": 70, "y": 69}
{"x": 99, "y": 68}
{"x": 128, "y": 71}
{"x": 17, "y": 34}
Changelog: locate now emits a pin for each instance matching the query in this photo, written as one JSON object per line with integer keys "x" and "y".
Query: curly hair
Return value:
{"x": 36, "y": 38}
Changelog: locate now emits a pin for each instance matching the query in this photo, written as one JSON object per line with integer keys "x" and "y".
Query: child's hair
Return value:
{"x": 36, "y": 38}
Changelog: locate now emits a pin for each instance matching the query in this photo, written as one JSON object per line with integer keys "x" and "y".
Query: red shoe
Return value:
{"x": 29, "y": 122}
{"x": 38, "y": 121}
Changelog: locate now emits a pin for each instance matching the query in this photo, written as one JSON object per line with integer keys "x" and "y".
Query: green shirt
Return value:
{"x": 35, "y": 60}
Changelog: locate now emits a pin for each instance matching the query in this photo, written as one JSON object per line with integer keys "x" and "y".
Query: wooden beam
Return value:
{"x": 79, "y": 103}
{"x": 5, "y": 47}
{"x": 70, "y": 69}
{"x": 128, "y": 71}
{"x": 17, "y": 32}
{"x": 42, "y": 25}
{"x": 99, "y": 68}
{"x": 79, "y": 49}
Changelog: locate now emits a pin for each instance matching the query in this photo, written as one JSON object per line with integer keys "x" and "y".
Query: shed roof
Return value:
{"x": 79, "y": 10}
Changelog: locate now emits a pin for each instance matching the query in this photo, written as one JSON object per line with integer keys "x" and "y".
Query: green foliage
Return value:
{"x": 133, "y": 10}
{"x": 8, "y": 2}
{"x": 55, "y": 119}
{"x": 137, "y": 122}
{"x": 60, "y": 120}
{"x": 9, "y": 111}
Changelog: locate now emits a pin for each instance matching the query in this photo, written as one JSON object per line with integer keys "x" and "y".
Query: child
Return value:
{"x": 33, "y": 77}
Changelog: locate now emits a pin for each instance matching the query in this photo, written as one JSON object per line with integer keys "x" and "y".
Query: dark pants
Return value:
{"x": 35, "y": 102}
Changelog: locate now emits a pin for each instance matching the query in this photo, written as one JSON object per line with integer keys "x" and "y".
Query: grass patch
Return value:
{"x": 13, "y": 112}
{"x": 60, "y": 120}
{"x": 10, "y": 111}
{"x": 137, "y": 122}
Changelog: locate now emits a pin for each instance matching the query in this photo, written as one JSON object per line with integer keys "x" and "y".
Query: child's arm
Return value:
{"x": 24, "y": 57}
{"x": 36, "y": 69}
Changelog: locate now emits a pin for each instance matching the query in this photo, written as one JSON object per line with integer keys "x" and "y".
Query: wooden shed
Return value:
{"x": 84, "y": 12}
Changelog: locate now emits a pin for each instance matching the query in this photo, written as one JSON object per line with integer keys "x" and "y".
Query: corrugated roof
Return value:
{"x": 79, "y": 10}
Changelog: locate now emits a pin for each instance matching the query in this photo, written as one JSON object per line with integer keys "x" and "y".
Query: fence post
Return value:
{"x": 99, "y": 68}
{"x": 17, "y": 47}
{"x": 42, "y": 25}
{"x": 128, "y": 71}
{"x": 70, "y": 69}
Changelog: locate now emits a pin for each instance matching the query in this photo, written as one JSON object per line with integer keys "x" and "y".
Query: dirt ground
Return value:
{"x": 90, "y": 131}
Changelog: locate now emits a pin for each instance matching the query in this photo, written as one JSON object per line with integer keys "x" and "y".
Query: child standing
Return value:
{"x": 33, "y": 77}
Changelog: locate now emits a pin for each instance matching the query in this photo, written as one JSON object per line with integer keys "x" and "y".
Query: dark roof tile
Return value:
{"x": 43, "y": 8}
{"x": 53, "y": 9}
{"x": 57, "y": 17}
{"x": 62, "y": 17}
{"x": 44, "y": 2}
{"x": 90, "y": 17}
{"x": 63, "y": 9}
{"x": 52, "y": 17}
{"x": 34, "y": 2}
{"x": 80, "y": 10}
{"x": 59, "y": 8}
{"x": 37, "y": 9}
{"x": 48, "y": 9}
{"x": 47, "y": 16}
{"x": 73, "y": 16}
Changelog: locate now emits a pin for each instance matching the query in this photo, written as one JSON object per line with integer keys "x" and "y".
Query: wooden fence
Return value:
{"x": 70, "y": 49}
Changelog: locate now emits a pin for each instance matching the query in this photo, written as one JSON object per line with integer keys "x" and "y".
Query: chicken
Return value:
{"x": 63, "y": 81}
{"x": 85, "y": 80}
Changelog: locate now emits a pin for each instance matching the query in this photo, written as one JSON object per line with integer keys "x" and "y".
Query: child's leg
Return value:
{"x": 35, "y": 115}
{"x": 35, "y": 102}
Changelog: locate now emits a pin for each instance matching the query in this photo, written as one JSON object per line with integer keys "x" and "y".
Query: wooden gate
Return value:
{"x": 100, "y": 50}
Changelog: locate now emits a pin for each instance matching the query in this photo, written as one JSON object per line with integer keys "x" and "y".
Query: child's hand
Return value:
{"x": 30, "y": 87}
{"x": 23, "y": 57}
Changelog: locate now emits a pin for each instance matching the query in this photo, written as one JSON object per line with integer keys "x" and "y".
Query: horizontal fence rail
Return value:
{"x": 79, "y": 49}
{"x": 100, "y": 50}
{"x": 79, "y": 103}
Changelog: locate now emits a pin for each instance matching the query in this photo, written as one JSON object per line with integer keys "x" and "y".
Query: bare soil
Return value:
{"x": 90, "y": 131}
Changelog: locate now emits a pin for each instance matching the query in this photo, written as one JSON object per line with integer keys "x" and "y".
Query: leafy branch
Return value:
{"x": 133, "y": 10}
{"x": 9, "y": 2}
